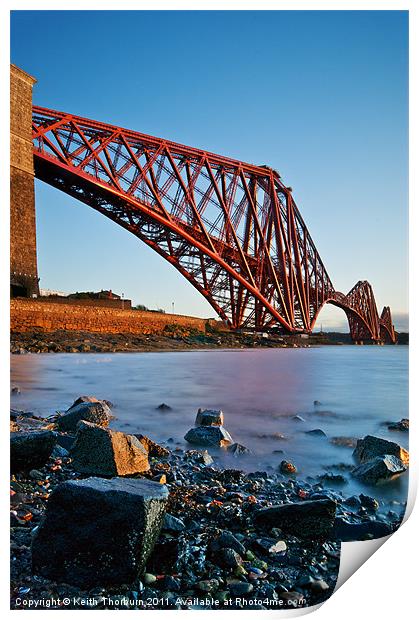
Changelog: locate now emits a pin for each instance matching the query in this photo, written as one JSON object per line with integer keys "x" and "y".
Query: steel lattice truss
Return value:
{"x": 231, "y": 228}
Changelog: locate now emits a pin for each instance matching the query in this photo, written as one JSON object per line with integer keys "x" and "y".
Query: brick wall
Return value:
{"x": 23, "y": 263}
{"x": 29, "y": 315}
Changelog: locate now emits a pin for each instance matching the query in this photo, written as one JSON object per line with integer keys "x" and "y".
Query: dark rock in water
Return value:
{"x": 104, "y": 452}
{"x": 298, "y": 418}
{"x": 345, "y": 531}
{"x": 237, "y": 449}
{"x": 209, "y": 417}
{"x": 153, "y": 448}
{"x": 164, "y": 407}
{"x": 402, "y": 425}
{"x": 333, "y": 478}
{"x": 209, "y": 436}
{"x": 96, "y": 413}
{"x": 345, "y": 442}
{"x": 98, "y": 532}
{"x": 380, "y": 468}
{"x": 369, "y": 502}
{"x": 30, "y": 450}
{"x": 227, "y": 558}
{"x": 369, "y": 447}
{"x": 15, "y": 390}
{"x": 89, "y": 399}
{"x": 286, "y": 467}
{"x": 229, "y": 541}
{"x": 172, "y": 524}
{"x": 316, "y": 431}
{"x": 316, "y": 403}
{"x": 310, "y": 519}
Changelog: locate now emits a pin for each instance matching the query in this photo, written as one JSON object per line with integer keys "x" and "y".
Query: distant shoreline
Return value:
{"x": 90, "y": 342}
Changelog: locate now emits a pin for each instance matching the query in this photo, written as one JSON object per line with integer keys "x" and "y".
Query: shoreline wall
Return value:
{"x": 30, "y": 315}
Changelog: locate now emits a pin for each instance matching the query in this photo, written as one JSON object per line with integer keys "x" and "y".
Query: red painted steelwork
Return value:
{"x": 231, "y": 228}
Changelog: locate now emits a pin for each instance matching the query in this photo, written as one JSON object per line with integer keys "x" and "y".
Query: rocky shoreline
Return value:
{"x": 179, "y": 339}
{"x": 207, "y": 537}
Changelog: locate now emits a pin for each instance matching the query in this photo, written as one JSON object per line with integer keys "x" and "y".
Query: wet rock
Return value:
{"x": 103, "y": 452}
{"x": 286, "y": 467}
{"x": 172, "y": 524}
{"x": 237, "y": 449}
{"x": 209, "y": 436}
{"x": 14, "y": 427}
{"x": 316, "y": 403}
{"x": 153, "y": 448}
{"x": 379, "y": 468}
{"x": 15, "y": 390}
{"x": 370, "y": 447}
{"x": 30, "y": 450}
{"x": 99, "y": 532}
{"x": 199, "y": 456}
{"x": 167, "y": 554}
{"x": 332, "y": 478}
{"x": 95, "y": 412}
{"x": 298, "y": 418}
{"x": 65, "y": 440}
{"x": 345, "y": 531}
{"x": 207, "y": 585}
{"x": 227, "y": 540}
{"x": 270, "y": 546}
{"x": 402, "y": 425}
{"x": 309, "y": 519}
{"x": 316, "y": 431}
{"x": 227, "y": 558}
{"x": 209, "y": 417}
{"x": 164, "y": 407}
{"x": 369, "y": 502}
{"x": 240, "y": 588}
{"x": 59, "y": 452}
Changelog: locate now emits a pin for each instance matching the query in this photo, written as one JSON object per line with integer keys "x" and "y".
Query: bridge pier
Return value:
{"x": 23, "y": 263}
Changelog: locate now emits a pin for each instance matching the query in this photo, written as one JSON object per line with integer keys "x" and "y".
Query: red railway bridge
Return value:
{"x": 230, "y": 228}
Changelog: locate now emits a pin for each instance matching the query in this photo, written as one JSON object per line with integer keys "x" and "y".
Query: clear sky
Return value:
{"x": 321, "y": 96}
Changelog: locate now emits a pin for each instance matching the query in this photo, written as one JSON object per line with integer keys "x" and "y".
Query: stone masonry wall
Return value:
{"x": 32, "y": 315}
{"x": 23, "y": 263}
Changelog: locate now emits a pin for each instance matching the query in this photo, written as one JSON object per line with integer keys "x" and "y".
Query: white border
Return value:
{"x": 385, "y": 586}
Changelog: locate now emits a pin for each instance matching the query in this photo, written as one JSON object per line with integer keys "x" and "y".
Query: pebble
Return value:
{"x": 240, "y": 588}
{"x": 286, "y": 467}
{"x": 148, "y": 578}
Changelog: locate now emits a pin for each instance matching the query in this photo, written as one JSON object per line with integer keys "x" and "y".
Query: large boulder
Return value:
{"x": 99, "y": 532}
{"x": 209, "y": 417}
{"x": 30, "y": 450}
{"x": 94, "y": 412}
{"x": 369, "y": 447}
{"x": 310, "y": 519}
{"x": 209, "y": 436}
{"x": 378, "y": 469}
{"x": 100, "y": 451}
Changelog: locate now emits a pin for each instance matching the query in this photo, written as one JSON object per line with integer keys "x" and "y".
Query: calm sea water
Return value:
{"x": 259, "y": 391}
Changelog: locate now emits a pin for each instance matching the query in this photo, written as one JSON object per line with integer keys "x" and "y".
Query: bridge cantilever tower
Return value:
{"x": 231, "y": 228}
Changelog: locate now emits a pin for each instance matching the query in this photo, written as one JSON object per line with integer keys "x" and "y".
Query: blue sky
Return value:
{"x": 321, "y": 96}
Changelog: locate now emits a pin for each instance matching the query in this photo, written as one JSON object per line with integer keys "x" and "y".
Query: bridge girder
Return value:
{"x": 231, "y": 228}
